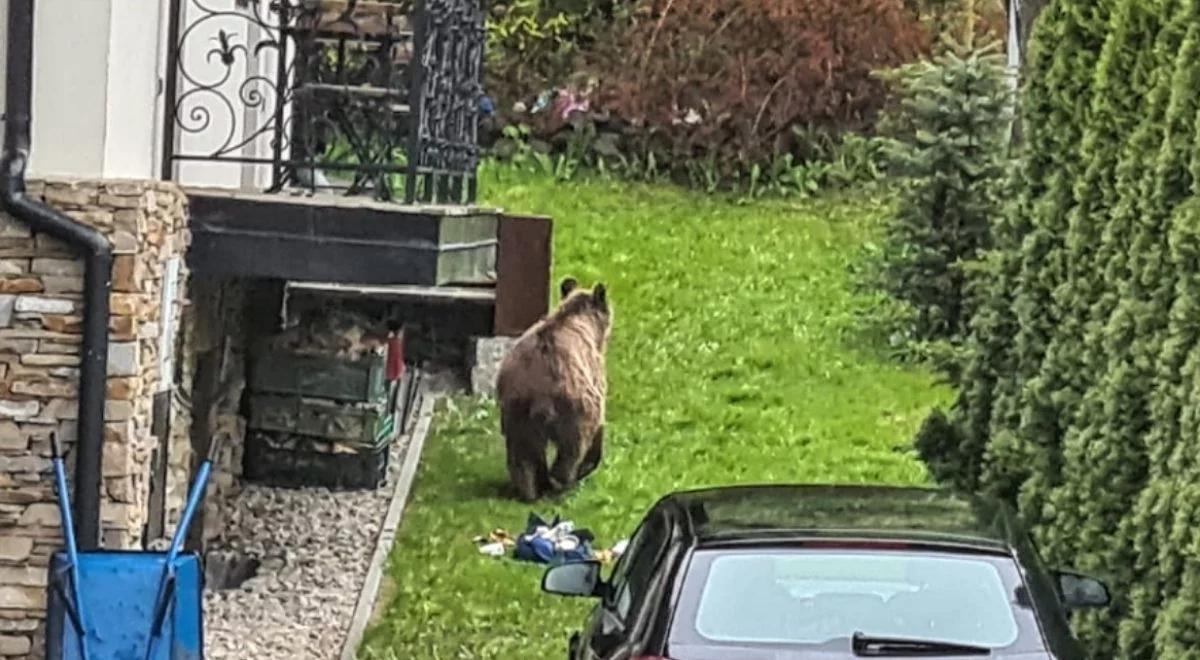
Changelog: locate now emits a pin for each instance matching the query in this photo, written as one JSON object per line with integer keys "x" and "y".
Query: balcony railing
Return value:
{"x": 350, "y": 96}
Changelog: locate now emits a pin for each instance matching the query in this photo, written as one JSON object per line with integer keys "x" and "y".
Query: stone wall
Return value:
{"x": 40, "y": 334}
{"x": 216, "y": 337}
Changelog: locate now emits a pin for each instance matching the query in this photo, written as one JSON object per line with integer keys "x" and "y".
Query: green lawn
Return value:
{"x": 734, "y": 359}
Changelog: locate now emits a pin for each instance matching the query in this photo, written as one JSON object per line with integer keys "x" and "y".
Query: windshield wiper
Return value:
{"x": 868, "y": 645}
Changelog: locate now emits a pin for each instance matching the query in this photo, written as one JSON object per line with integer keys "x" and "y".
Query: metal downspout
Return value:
{"x": 89, "y": 243}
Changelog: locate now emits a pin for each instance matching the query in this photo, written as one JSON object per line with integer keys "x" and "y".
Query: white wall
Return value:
{"x": 99, "y": 72}
{"x": 96, "y": 67}
{"x": 70, "y": 87}
{"x": 132, "y": 118}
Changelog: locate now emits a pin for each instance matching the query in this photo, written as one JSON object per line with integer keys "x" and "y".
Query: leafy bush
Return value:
{"x": 715, "y": 94}
{"x": 728, "y": 82}
{"x": 534, "y": 46}
{"x": 948, "y": 150}
{"x": 963, "y": 21}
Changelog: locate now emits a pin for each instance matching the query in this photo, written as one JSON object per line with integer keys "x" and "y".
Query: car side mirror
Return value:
{"x": 580, "y": 578}
{"x": 1080, "y": 592}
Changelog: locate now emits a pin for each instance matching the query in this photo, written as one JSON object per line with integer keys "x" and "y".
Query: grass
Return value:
{"x": 734, "y": 359}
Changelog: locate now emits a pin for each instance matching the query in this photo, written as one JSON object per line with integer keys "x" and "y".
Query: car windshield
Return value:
{"x": 812, "y": 597}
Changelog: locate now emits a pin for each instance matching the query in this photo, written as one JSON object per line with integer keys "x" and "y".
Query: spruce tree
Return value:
{"x": 949, "y": 157}
{"x": 954, "y": 445}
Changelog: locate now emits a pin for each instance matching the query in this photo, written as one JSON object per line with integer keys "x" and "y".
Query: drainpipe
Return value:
{"x": 90, "y": 244}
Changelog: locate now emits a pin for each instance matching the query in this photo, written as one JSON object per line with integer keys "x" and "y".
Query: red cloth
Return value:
{"x": 395, "y": 357}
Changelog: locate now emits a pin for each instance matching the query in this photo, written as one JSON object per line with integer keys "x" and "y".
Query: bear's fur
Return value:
{"x": 552, "y": 388}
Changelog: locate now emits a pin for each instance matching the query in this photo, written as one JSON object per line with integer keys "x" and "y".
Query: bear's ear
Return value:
{"x": 600, "y": 295}
{"x": 568, "y": 285}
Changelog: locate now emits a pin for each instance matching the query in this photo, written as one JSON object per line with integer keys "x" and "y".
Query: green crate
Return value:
{"x": 364, "y": 381}
{"x": 366, "y": 426}
{"x": 286, "y": 461}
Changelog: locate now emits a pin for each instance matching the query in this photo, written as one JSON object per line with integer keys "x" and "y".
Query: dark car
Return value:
{"x": 780, "y": 572}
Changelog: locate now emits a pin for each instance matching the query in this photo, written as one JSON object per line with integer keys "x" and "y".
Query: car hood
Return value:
{"x": 679, "y": 652}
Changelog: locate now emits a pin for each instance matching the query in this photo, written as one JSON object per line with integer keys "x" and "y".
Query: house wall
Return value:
{"x": 95, "y": 88}
{"x": 40, "y": 334}
{"x": 98, "y": 91}
{"x": 131, "y": 123}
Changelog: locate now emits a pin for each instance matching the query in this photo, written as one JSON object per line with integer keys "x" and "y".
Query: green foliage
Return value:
{"x": 671, "y": 95}
{"x": 1082, "y": 401}
{"x": 735, "y": 359}
{"x": 1068, "y": 40}
{"x": 948, "y": 153}
{"x": 533, "y": 44}
{"x": 836, "y": 164}
{"x": 1123, "y": 80}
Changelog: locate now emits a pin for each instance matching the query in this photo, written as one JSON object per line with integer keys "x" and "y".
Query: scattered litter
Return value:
{"x": 612, "y": 554}
{"x": 568, "y": 102}
{"x": 495, "y": 544}
{"x": 487, "y": 107}
{"x": 493, "y": 549}
{"x": 553, "y": 542}
{"x": 543, "y": 101}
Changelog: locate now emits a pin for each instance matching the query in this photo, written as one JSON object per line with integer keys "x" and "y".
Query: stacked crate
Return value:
{"x": 322, "y": 421}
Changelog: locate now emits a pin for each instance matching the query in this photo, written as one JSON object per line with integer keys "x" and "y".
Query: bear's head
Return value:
{"x": 593, "y": 305}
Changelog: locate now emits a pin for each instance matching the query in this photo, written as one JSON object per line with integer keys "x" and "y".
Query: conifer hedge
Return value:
{"x": 1080, "y": 400}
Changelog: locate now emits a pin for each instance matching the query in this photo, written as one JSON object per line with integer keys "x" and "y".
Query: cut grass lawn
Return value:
{"x": 734, "y": 360}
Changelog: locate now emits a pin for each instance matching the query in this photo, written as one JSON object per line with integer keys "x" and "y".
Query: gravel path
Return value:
{"x": 314, "y": 546}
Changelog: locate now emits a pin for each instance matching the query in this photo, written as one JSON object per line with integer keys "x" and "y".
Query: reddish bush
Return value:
{"x": 730, "y": 80}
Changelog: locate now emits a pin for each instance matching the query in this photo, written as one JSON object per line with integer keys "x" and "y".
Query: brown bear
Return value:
{"x": 552, "y": 388}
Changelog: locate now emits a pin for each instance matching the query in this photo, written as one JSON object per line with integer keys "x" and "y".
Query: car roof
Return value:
{"x": 778, "y": 513}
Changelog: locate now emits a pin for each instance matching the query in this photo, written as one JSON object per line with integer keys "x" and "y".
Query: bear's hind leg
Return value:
{"x": 568, "y": 456}
{"x": 595, "y": 453}
{"x": 527, "y": 472}
{"x": 526, "y": 446}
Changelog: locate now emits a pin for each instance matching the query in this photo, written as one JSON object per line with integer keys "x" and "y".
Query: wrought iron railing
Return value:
{"x": 355, "y": 96}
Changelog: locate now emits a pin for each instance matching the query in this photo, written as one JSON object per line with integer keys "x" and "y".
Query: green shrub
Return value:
{"x": 1079, "y": 395}
{"x": 948, "y": 147}
{"x": 1066, "y": 47}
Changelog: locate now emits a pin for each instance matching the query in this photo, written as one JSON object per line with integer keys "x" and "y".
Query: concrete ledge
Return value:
{"x": 485, "y": 363}
{"x": 387, "y": 533}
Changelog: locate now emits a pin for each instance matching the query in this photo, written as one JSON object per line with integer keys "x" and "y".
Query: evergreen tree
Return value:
{"x": 1175, "y": 634}
{"x": 1109, "y": 273}
{"x": 1081, "y": 390}
{"x": 1165, "y": 513}
{"x": 954, "y": 445}
{"x": 1077, "y": 30}
{"x": 1122, "y": 81}
{"x": 1178, "y": 632}
{"x": 949, "y": 156}
{"x": 1112, "y": 473}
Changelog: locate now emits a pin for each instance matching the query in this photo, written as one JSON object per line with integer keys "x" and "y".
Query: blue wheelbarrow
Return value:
{"x": 125, "y": 605}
